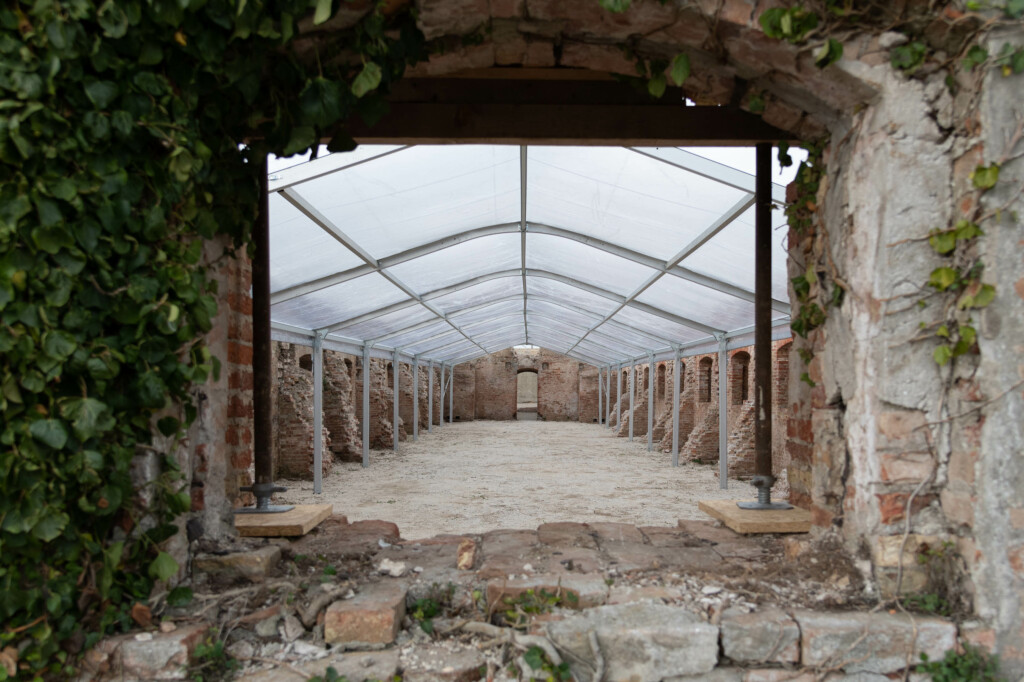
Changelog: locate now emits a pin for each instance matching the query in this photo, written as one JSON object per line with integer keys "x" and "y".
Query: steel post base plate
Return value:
{"x": 764, "y": 505}
{"x": 269, "y": 509}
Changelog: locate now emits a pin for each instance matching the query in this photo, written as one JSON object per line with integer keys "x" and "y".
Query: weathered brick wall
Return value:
{"x": 339, "y": 406}
{"x": 587, "y": 393}
{"x": 464, "y": 384}
{"x": 495, "y": 385}
{"x": 381, "y": 429}
{"x": 293, "y": 456}
{"x": 558, "y": 387}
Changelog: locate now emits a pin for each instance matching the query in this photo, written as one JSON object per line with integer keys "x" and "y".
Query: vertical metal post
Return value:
{"x": 366, "y": 405}
{"x": 763, "y": 479}
{"x": 608, "y": 387}
{"x": 723, "y": 415}
{"x": 650, "y": 402}
{"x": 415, "y": 398}
{"x": 675, "y": 409}
{"x": 396, "y": 373}
{"x": 262, "y": 363}
{"x": 632, "y": 393}
{"x": 318, "y": 411}
{"x": 440, "y": 407}
{"x": 599, "y": 416}
{"x": 430, "y": 397}
{"x": 451, "y": 394}
{"x": 618, "y": 397}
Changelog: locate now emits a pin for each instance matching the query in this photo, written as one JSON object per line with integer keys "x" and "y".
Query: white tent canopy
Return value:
{"x": 446, "y": 253}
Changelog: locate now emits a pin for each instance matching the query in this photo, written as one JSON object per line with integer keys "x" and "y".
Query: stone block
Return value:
{"x": 354, "y": 666}
{"x": 144, "y": 655}
{"x": 252, "y": 565}
{"x": 590, "y": 590}
{"x": 617, "y": 532}
{"x": 628, "y": 594}
{"x": 871, "y": 642}
{"x": 639, "y": 642}
{"x": 374, "y": 616}
{"x": 886, "y": 550}
{"x": 438, "y": 663}
{"x": 764, "y": 636}
{"x": 716, "y": 675}
{"x": 466, "y": 555}
{"x": 566, "y": 534}
{"x": 446, "y": 18}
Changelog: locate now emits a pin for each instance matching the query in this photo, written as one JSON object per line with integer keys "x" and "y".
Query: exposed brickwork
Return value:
{"x": 293, "y": 457}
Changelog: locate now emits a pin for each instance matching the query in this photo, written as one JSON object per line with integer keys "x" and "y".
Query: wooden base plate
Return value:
{"x": 294, "y": 523}
{"x": 795, "y": 520}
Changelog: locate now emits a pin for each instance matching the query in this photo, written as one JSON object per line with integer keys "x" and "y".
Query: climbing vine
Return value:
{"x": 132, "y": 134}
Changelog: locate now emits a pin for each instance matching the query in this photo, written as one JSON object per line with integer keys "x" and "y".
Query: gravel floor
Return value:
{"x": 478, "y": 476}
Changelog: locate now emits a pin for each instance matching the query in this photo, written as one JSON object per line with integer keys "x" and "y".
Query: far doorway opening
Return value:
{"x": 526, "y": 395}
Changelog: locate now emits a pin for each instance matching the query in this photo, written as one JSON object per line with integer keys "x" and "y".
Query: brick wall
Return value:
{"x": 293, "y": 456}
{"x": 495, "y": 385}
{"x": 558, "y": 387}
{"x": 339, "y": 406}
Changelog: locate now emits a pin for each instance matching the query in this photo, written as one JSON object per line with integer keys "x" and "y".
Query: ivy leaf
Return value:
{"x": 320, "y": 102}
{"x": 976, "y": 56}
{"x": 616, "y": 6}
{"x": 908, "y": 57}
{"x": 367, "y": 80}
{"x": 534, "y": 657}
{"x": 302, "y": 138}
{"x": 88, "y": 416}
{"x": 679, "y": 70}
{"x": 49, "y": 431}
{"x": 101, "y": 93}
{"x": 180, "y": 596}
{"x": 322, "y": 13}
{"x": 163, "y": 567}
{"x": 168, "y": 426}
{"x": 1014, "y": 8}
{"x": 59, "y": 345}
{"x": 50, "y": 526}
{"x": 830, "y": 53}
{"x": 942, "y": 355}
{"x": 943, "y": 242}
{"x": 943, "y": 278}
{"x": 985, "y": 177}
{"x": 656, "y": 86}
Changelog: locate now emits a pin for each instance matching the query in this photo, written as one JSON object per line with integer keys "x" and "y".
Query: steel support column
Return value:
{"x": 440, "y": 406}
{"x": 318, "y": 411}
{"x": 262, "y": 370}
{"x": 415, "y": 399}
{"x": 451, "y": 394}
{"x": 366, "y": 405}
{"x": 763, "y": 479}
{"x": 650, "y": 402}
{"x": 675, "y": 409}
{"x": 396, "y": 372}
{"x": 608, "y": 387}
{"x": 618, "y": 397}
{"x": 599, "y": 416}
{"x": 430, "y": 396}
{"x": 723, "y": 414}
{"x": 632, "y": 393}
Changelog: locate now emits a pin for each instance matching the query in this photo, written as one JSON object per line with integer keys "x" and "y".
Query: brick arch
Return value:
{"x": 739, "y": 378}
{"x": 532, "y": 370}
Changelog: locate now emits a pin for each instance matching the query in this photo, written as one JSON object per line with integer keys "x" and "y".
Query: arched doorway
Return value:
{"x": 526, "y": 394}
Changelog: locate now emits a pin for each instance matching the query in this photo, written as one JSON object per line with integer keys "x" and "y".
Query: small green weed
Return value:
{"x": 548, "y": 671}
{"x": 927, "y": 603}
{"x": 211, "y": 662}
{"x": 532, "y": 602}
{"x": 973, "y": 665}
{"x": 437, "y": 601}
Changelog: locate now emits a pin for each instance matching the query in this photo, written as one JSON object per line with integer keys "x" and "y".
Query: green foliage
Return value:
{"x": 543, "y": 668}
{"x": 211, "y": 663}
{"x": 971, "y": 665}
{"x": 829, "y": 53}
{"x": 531, "y": 602}
{"x": 437, "y": 602}
{"x": 330, "y": 675}
{"x": 791, "y": 24}
{"x": 927, "y": 603}
{"x": 909, "y": 57}
{"x": 616, "y": 6}
{"x": 122, "y": 151}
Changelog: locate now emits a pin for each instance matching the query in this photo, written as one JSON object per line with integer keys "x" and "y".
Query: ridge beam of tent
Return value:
{"x": 614, "y": 249}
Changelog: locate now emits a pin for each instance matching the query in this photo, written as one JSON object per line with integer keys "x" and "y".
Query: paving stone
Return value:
{"x": 566, "y": 534}
{"x": 590, "y": 590}
{"x": 779, "y": 675}
{"x": 373, "y": 616}
{"x": 627, "y": 594}
{"x": 144, "y": 655}
{"x": 716, "y": 675}
{"x": 671, "y": 537}
{"x": 764, "y": 636}
{"x": 607, "y": 532}
{"x": 355, "y": 666}
{"x": 639, "y": 642}
{"x": 871, "y": 642}
{"x": 629, "y": 556}
{"x": 437, "y": 662}
{"x": 505, "y": 552}
{"x": 576, "y": 560}
{"x": 253, "y": 564}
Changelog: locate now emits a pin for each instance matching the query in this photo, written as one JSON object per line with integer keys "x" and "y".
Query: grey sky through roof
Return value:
{"x": 450, "y": 252}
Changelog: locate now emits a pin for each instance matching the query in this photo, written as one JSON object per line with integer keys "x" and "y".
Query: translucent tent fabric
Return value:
{"x": 446, "y": 253}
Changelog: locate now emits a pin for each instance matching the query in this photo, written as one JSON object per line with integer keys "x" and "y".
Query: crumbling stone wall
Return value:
{"x": 495, "y": 383}
{"x": 558, "y": 387}
{"x": 339, "y": 406}
{"x": 293, "y": 457}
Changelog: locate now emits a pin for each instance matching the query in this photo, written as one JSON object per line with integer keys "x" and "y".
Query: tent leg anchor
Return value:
{"x": 764, "y": 495}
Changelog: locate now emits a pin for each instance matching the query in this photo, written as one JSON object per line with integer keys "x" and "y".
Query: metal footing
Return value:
{"x": 764, "y": 495}
{"x": 263, "y": 492}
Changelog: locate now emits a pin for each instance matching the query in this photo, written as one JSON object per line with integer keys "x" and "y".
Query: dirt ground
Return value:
{"x": 478, "y": 476}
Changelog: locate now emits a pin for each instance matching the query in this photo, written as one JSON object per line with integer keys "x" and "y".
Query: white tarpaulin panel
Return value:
{"x": 422, "y": 248}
